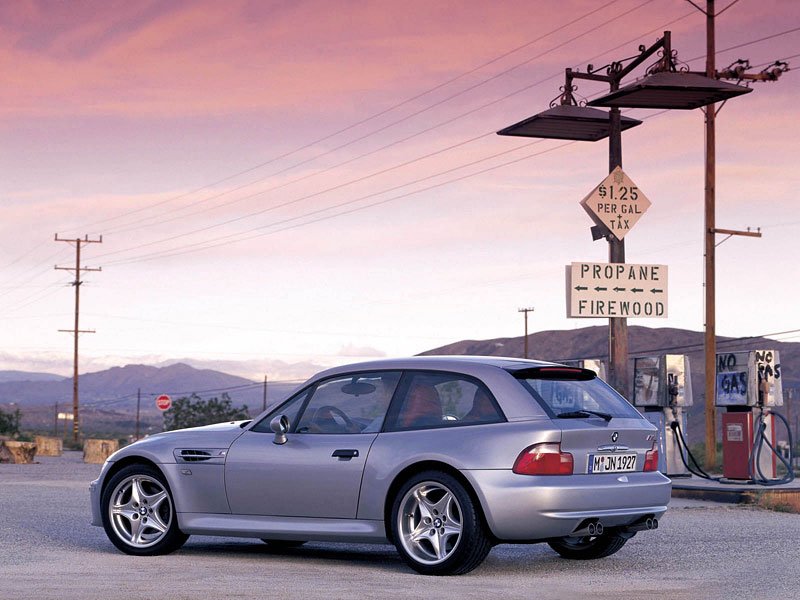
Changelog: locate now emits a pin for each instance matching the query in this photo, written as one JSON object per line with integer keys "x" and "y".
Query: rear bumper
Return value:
{"x": 523, "y": 507}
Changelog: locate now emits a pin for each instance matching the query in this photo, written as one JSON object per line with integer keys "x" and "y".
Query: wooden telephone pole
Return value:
{"x": 76, "y": 331}
{"x": 526, "y": 311}
{"x": 737, "y": 71}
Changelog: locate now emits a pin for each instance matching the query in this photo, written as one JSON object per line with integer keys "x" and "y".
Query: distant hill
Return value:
{"x": 6, "y": 376}
{"x": 117, "y": 382}
{"x": 592, "y": 342}
{"x": 108, "y": 398}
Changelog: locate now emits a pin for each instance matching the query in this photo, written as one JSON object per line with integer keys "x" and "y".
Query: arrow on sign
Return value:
{"x": 656, "y": 291}
{"x": 600, "y": 289}
{"x": 635, "y": 290}
{"x": 619, "y": 289}
{"x": 581, "y": 288}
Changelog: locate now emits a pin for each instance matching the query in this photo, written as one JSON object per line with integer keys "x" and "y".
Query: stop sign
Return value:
{"x": 163, "y": 402}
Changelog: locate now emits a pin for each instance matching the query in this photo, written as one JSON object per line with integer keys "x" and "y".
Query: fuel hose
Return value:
{"x": 754, "y": 467}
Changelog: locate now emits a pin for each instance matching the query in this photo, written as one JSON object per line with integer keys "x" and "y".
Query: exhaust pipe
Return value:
{"x": 646, "y": 524}
{"x": 592, "y": 528}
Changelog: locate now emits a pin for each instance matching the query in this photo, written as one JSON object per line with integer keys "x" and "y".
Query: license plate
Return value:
{"x": 612, "y": 463}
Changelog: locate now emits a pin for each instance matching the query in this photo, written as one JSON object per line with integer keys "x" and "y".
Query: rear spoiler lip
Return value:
{"x": 554, "y": 372}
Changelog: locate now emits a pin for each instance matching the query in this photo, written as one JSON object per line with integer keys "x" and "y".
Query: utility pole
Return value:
{"x": 76, "y": 331}
{"x": 55, "y": 423}
{"x": 737, "y": 71}
{"x": 710, "y": 248}
{"x": 264, "y": 404}
{"x": 526, "y": 311}
{"x": 617, "y": 326}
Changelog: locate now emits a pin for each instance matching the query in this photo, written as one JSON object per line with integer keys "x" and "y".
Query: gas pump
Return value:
{"x": 748, "y": 385}
{"x": 662, "y": 389}
{"x": 593, "y": 364}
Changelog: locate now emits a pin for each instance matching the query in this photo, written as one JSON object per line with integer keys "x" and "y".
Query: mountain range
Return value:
{"x": 111, "y": 395}
{"x": 592, "y": 342}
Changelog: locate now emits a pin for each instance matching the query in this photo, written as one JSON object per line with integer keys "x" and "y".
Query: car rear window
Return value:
{"x": 567, "y": 390}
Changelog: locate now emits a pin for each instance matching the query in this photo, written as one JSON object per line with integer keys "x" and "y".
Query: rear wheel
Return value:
{"x": 436, "y": 526}
{"x": 588, "y": 547}
{"x": 138, "y": 512}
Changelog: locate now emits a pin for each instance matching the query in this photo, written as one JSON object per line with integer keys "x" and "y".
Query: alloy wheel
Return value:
{"x": 430, "y": 522}
{"x": 140, "y": 511}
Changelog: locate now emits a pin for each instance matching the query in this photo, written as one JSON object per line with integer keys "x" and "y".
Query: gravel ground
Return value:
{"x": 703, "y": 550}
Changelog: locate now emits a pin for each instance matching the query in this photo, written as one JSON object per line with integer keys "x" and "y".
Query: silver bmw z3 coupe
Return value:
{"x": 442, "y": 456}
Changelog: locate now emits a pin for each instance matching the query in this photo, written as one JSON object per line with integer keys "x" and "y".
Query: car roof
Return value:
{"x": 460, "y": 363}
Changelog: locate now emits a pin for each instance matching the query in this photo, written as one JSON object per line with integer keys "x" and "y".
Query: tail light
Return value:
{"x": 651, "y": 459}
{"x": 543, "y": 459}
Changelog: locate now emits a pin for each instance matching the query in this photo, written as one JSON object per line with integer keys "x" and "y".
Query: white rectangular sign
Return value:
{"x": 616, "y": 290}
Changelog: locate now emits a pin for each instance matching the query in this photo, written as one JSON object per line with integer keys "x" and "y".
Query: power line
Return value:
{"x": 691, "y": 347}
{"x": 385, "y": 127}
{"x": 300, "y": 199}
{"x": 240, "y": 388}
{"x": 481, "y": 107}
{"x": 336, "y": 187}
{"x": 750, "y": 43}
{"x": 229, "y": 239}
{"x": 366, "y": 119}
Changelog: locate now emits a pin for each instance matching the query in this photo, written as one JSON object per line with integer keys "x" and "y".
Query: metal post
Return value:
{"x": 617, "y": 326}
{"x": 55, "y": 424}
{"x": 710, "y": 341}
{"x": 264, "y": 403}
{"x": 138, "y": 405}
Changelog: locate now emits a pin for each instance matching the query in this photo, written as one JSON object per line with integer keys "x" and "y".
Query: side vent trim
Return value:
{"x": 200, "y": 455}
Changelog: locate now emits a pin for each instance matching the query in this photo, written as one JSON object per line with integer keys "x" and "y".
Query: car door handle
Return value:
{"x": 345, "y": 453}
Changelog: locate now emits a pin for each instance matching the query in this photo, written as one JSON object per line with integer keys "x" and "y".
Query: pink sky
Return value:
{"x": 114, "y": 113}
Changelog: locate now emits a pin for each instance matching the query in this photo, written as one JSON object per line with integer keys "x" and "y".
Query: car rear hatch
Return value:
{"x": 599, "y": 428}
{"x": 617, "y": 446}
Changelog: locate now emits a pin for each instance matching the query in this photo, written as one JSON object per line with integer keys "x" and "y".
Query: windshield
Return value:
{"x": 570, "y": 394}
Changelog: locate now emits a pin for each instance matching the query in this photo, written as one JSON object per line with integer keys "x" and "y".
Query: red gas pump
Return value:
{"x": 739, "y": 430}
{"x": 748, "y": 384}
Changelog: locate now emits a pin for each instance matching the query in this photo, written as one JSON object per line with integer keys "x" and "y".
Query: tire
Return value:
{"x": 588, "y": 548}
{"x": 138, "y": 512}
{"x": 437, "y": 527}
{"x": 283, "y": 544}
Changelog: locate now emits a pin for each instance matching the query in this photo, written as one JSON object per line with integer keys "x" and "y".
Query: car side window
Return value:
{"x": 355, "y": 403}
{"x": 290, "y": 408}
{"x": 443, "y": 400}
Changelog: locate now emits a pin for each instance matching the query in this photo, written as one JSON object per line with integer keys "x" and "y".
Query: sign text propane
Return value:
{"x": 616, "y": 290}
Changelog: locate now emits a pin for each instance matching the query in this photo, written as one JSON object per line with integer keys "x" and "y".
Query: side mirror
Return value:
{"x": 280, "y": 425}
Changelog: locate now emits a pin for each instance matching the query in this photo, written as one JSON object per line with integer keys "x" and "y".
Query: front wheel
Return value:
{"x": 436, "y": 526}
{"x": 588, "y": 547}
{"x": 139, "y": 514}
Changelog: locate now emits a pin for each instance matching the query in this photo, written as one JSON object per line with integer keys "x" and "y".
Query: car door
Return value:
{"x": 317, "y": 472}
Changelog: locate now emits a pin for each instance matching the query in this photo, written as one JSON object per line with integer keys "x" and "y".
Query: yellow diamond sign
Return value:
{"x": 616, "y": 204}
